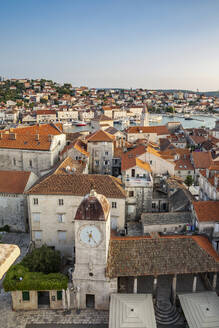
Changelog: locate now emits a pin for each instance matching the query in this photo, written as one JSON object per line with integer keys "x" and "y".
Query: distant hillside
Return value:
{"x": 207, "y": 93}
{"x": 211, "y": 93}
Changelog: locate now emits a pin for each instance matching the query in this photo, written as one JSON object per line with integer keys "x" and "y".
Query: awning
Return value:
{"x": 8, "y": 254}
{"x": 201, "y": 309}
{"x": 131, "y": 311}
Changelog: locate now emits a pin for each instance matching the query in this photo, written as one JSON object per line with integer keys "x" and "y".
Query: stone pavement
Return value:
{"x": 68, "y": 326}
{"x": 56, "y": 318}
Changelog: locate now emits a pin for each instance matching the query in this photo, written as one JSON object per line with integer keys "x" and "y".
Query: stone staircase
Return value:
{"x": 166, "y": 313}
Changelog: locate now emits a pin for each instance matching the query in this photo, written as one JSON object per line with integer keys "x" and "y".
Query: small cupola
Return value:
{"x": 94, "y": 207}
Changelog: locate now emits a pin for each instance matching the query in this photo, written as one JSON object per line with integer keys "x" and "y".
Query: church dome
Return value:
{"x": 94, "y": 207}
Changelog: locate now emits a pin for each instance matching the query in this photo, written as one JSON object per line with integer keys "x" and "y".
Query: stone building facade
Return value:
{"x": 100, "y": 146}
{"x": 31, "y": 150}
{"x": 13, "y": 201}
{"x": 53, "y": 203}
{"x": 92, "y": 236}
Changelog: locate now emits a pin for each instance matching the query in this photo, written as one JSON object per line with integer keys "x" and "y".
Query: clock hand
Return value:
{"x": 93, "y": 239}
{"x": 89, "y": 235}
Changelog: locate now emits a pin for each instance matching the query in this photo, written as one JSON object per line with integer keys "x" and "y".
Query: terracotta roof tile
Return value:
{"x": 21, "y": 141}
{"x": 79, "y": 185}
{"x": 159, "y": 129}
{"x": 45, "y": 112}
{"x": 42, "y": 129}
{"x": 198, "y": 139}
{"x": 129, "y": 157}
{"x": 140, "y": 256}
{"x": 183, "y": 164}
{"x": 202, "y": 160}
{"x": 13, "y": 182}
{"x": 70, "y": 165}
{"x": 207, "y": 211}
{"x": 100, "y": 135}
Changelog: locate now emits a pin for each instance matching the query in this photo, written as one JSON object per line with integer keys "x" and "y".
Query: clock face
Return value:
{"x": 90, "y": 235}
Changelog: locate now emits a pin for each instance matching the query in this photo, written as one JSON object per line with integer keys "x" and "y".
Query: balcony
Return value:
{"x": 138, "y": 182}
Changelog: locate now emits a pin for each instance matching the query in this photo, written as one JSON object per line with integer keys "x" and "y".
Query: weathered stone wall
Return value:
{"x": 13, "y": 211}
{"x": 101, "y": 151}
{"x": 48, "y": 208}
{"x": 19, "y": 304}
{"x": 93, "y": 260}
{"x": 32, "y": 160}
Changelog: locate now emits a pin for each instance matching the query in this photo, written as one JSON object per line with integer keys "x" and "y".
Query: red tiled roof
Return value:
{"x": 25, "y": 142}
{"x": 183, "y": 164}
{"x": 202, "y": 160}
{"x": 79, "y": 185}
{"x": 46, "y": 112}
{"x": 100, "y": 135}
{"x": 42, "y": 129}
{"x": 198, "y": 139}
{"x": 13, "y": 182}
{"x": 129, "y": 158}
{"x": 159, "y": 130}
{"x": 207, "y": 211}
{"x": 140, "y": 256}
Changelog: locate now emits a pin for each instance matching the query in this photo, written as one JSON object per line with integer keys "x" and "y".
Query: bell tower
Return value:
{"x": 144, "y": 121}
{"x": 92, "y": 236}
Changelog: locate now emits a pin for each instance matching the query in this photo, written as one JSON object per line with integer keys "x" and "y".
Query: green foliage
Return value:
{"x": 43, "y": 101}
{"x": 170, "y": 109}
{"x": 5, "y": 228}
{"x": 189, "y": 180}
{"x": 19, "y": 277}
{"x": 43, "y": 259}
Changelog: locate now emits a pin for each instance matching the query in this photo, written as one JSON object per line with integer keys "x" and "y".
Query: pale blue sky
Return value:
{"x": 118, "y": 43}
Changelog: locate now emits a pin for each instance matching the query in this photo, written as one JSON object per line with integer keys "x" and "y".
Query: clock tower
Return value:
{"x": 92, "y": 236}
{"x": 144, "y": 119}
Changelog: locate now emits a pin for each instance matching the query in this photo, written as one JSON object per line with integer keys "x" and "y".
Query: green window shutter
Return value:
{"x": 59, "y": 295}
{"x": 26, "y": 296}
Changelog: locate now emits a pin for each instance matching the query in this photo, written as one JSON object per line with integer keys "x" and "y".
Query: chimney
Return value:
{"x": 215, "y": 181}
{"x": 12, "y": 136}
{"x": 37, "y": 137}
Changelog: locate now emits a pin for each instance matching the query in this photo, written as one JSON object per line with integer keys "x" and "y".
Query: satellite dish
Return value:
{"x": 67, "y": 168}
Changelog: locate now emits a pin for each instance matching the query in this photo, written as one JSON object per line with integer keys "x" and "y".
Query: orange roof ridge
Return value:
{"x": 100, "y": 135}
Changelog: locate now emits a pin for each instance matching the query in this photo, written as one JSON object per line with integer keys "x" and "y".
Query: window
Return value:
{"x": 35, "y": 201}
{"x": 30, "y": 162}
{"x": 59, "y": 295}
{"x": 114, "y": 205}
{"x": 189, "y": 171}
{"x": 96, "y": 163}
{"x": 25, "y": 296}
{"x": 164, "y": 206}
{"x": 62, "y": 235}
{"x": 131, "y": 193}
{"x": 106, "y": 153}
{"x": 61, "y": 202}
{"x": 133, "y": 173}
{"x": 36, "y": 217}
{"x": 38, "y": 235}
{"x": 61, "y": 217}
{"x": 153, "y": 205}
{"x": 106, "y": 162}
{"x": 14, "y": 160}
{"x": 150, "y": 162}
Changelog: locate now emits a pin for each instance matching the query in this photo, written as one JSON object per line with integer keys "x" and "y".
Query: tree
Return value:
{"x": 189, "y": 180}
{"x": 43, "y": 259}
